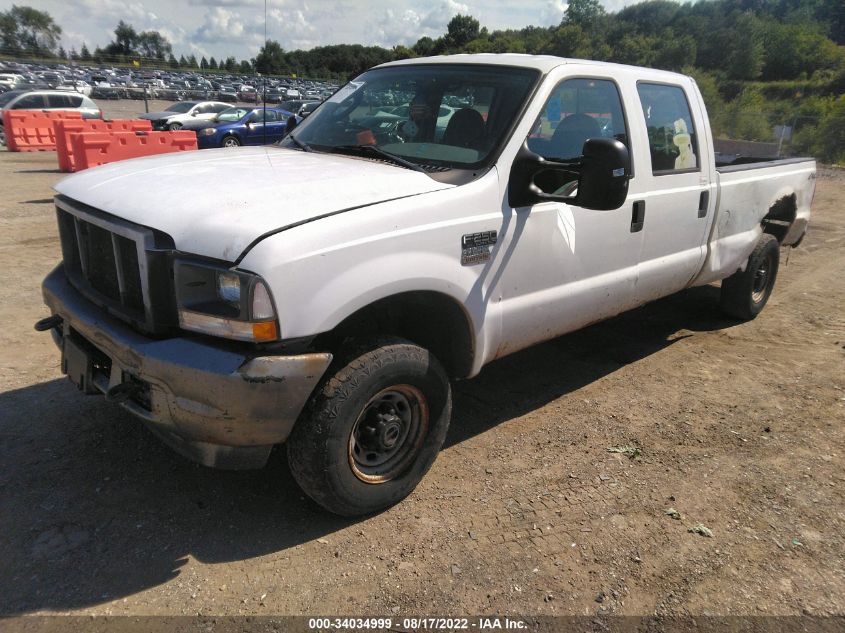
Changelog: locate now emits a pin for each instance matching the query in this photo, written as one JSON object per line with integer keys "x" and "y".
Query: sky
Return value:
{"x": 221, "y": 28}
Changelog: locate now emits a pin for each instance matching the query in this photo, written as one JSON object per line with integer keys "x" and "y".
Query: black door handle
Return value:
{"x": 638, "y": 216}
{"x": 703, "y": 202}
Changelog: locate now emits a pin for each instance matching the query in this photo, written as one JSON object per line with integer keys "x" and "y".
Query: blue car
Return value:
{"x": 243, "y": 126}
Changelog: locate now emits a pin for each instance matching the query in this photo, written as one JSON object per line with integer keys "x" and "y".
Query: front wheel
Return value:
{"x": 745, "y": 293}
{"x": 174, "y": 126}
{"x": 230, "y": 141}
{"x": 373, "y": 430}
{"x": 2, "y": 136}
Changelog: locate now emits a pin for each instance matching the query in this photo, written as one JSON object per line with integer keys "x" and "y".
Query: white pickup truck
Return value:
{"x": 324, "y": 292}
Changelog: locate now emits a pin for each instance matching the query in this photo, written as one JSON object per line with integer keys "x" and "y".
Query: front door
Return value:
{"x": 567, "y": 266}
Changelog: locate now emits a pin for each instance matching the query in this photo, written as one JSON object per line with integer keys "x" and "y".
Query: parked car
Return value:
{"x": 46, "y": 100}
{"x": 308, "y": 108}
{"x": 177, "y": 114}
{"x": 10, "y": 81}
{"x": 82, "y": 87}
{"x": 328, "y": 294}
{"x": 244, "y": 126}
{"x": 227, "y": 94}
{"x": 294, "y": 105}
{"x": 248, "y": 94}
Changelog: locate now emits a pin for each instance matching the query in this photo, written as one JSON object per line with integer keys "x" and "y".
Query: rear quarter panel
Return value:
{"x": 746, "y": 194}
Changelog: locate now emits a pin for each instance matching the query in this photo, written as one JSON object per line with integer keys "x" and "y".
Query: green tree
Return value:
{"x": 204, "y": 63}
{"x": 84, "y": 53}
{"x": 746, "y": 55}
{"x": 271, "y": 59}
{"x": 153, "y": 45}
{"x": 192, "y": 62}
{"x": 125, "y": 40}
{"x": 584, "y": 13}
{"x": 28, "y": 31}
{"x": 402, "y": 52}
{"x": 183, "y": 63}
{"x": 424, "y": 46}
{"x": 212, "y": 63}
{"x": 461, "y": 30}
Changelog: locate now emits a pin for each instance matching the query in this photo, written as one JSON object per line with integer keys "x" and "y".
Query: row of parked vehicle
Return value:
{"x": 219, "y": 124}
{"x": 175, "y": 85}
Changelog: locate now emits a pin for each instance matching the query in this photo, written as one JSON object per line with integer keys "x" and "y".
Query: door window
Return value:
{"x": 29, "y": 102}
{"x": 671, "y": 131}
{"x": 577, "y": 110}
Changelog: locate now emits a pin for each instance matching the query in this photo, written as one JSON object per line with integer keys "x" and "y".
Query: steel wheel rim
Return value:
{"x": 761, "y": 280}
{"x": 388, "y": 434}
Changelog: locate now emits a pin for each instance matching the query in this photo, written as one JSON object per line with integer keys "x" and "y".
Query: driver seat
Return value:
{"x": 466, "y": 128}
{"x": 570, "y": 135}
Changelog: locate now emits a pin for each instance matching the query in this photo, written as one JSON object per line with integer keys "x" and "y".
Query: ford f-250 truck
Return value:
{"x": 379, "y": 253}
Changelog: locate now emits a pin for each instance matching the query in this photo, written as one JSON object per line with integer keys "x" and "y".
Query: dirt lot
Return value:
{"x": 740, "y": 428}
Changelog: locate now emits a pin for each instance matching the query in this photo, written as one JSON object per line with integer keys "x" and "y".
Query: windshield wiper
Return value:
{"x": 380, "y": 152}
{"x": 305, "y": 147}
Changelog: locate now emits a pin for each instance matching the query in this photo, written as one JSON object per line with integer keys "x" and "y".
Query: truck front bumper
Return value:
{"x": 220, "y": 407}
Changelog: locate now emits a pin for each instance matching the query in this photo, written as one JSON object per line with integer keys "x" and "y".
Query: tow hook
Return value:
{"x": 122, "y": 392}
{"x": 48, "y": 323}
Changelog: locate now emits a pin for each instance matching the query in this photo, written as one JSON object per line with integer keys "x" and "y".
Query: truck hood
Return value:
{"x": 217, "y": 202}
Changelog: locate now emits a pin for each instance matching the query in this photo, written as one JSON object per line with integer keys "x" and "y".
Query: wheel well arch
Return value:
{"x": 430, "y": 319}
{"x": 780, "y": 216}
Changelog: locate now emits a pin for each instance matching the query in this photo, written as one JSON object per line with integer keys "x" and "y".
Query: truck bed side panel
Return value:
{"x": 746, "y": 196}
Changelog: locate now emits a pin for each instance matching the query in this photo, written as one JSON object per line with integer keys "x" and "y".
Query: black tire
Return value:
{"x": 745, "y": 293}
{"x": 230, "y": 141}
{"x": 2, "y": 136}
{"x": 347, "y": 428}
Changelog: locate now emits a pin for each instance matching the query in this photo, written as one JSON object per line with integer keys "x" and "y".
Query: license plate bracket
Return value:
{"x": 78, "y": 364}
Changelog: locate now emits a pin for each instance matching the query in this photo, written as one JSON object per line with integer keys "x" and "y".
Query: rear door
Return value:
{"x": 678, "y": 205}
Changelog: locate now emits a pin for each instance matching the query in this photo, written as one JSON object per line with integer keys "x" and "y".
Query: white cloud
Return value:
{"x": 553, "y": 12}
{"x": 406, "y": 27}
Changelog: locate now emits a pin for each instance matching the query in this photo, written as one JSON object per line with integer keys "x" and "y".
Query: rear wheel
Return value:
{"x": 230, "y": 141}
{"x": 373, "y": 430}
{"x": 2, "y": 136}
{"x": 745, "y": 293}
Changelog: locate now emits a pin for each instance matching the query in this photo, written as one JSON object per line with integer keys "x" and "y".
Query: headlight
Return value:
{"x": 208, "y": 131}
{"x": 221, "y": 302}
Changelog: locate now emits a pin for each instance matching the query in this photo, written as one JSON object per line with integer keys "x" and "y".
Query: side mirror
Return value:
{"x": 598, "y": 179}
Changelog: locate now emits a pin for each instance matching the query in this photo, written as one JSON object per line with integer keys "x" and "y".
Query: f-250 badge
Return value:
{"x": 475, "y": 247}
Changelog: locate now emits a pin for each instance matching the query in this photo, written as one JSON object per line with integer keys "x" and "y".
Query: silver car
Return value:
{"x": 47, "y": 100}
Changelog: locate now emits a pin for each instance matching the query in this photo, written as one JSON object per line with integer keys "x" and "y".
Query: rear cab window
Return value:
{"x": 672, "y": 137}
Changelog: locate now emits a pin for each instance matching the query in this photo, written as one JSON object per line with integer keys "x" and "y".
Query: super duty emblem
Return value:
{"x": 475, "y": 247}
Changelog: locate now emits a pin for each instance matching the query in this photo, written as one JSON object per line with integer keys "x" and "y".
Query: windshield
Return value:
{"x": 446, "y": 115}
{"x": 182, "y": 107}
{"x": 231, "y": 115}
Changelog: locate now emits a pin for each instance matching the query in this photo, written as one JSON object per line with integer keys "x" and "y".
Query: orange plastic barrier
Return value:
{"x": 93, "y": 148}
{"x": 65, "y": 130}
{"x": 32, "y": 130}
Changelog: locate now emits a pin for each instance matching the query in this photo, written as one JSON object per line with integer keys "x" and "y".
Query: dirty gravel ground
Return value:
{"x": 740, "y": 428}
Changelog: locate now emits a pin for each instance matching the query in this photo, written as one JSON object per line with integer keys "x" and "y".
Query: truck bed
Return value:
{"x": 756, "y": 195}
